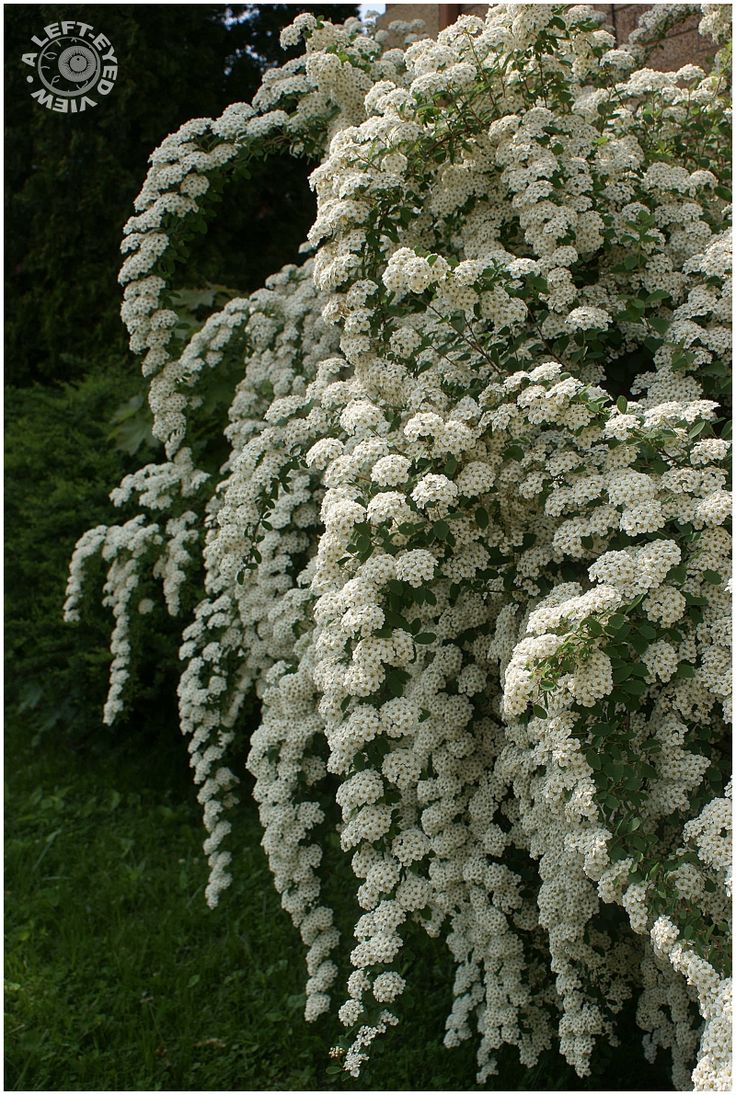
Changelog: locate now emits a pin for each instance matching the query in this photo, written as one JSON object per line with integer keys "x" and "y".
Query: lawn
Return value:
{"x": 119, "y": 977}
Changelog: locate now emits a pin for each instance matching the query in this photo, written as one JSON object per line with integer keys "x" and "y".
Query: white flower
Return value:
{"x": 588, "y": 319}
{"x": 390, "y": 471}
{"x": 415, "y": 567}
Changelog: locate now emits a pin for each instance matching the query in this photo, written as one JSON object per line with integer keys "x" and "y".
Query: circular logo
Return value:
{"x": 73, "y": 65}
{"x": 67, "y": 66}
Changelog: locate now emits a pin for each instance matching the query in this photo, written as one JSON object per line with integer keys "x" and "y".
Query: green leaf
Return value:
{"x": 677, "y": 574}
{"x": 481, "y": 517}
{"x": 622, "y": 404}
{"x": 424, "y": 638}
{"x": 639, "y": 642}
{"x": 131, "y": 427}
{"x": 539, "y": 711}
{"x": 395, "y": 681}
{"x": 634, "y": 686}
{"x": 713, "y": 577}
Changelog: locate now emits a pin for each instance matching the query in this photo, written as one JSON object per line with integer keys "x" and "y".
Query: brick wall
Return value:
{"x": 683, "y": 46}
{"x": 429, "y": 13}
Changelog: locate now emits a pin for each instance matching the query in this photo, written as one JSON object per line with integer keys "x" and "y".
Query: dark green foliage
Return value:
{"x": 71, "y": 180}
{"x": 61, "y": 460}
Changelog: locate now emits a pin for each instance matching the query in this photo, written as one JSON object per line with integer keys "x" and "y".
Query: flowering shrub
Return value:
{"x": 470, "y": 546}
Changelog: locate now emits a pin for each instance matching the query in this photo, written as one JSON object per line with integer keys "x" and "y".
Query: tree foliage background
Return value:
{"x": 70, "y": 182}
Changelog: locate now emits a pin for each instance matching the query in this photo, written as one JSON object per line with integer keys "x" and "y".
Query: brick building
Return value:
{"x": 683, "y": 46}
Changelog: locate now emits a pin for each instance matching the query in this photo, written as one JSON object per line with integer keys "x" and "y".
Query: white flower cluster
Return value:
{"x": 468, "y": 581}
{"x": 124, "y": 548}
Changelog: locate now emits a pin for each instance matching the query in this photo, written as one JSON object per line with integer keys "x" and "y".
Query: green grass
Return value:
{"x": 119, "y": 977}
